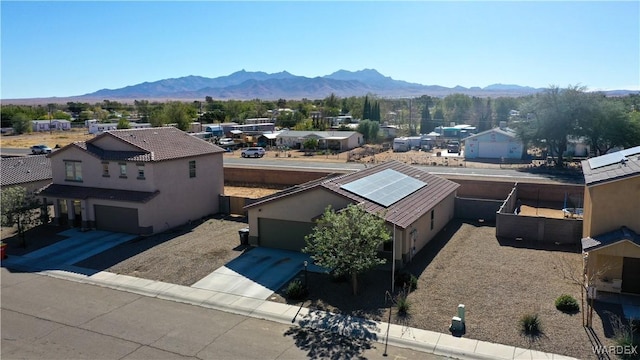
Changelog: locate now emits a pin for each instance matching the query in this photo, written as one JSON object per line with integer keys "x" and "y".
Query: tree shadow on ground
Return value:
{"x": 327, "y": 293}
{"x": 35, "y": 238}
{"x": 328, "y": 336}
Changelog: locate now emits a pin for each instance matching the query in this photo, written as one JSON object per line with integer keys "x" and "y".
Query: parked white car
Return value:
{"x": 253, "y": 152}
{"x": 226, "y": 142}
{"x": 40, "y": 149}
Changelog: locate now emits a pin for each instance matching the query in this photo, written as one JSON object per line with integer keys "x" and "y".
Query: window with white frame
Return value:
{"x": 73, "y": 170}
{"x": 123, "y": 170}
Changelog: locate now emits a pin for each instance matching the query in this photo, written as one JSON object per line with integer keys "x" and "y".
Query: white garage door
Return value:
{"x": 494, "y": 150}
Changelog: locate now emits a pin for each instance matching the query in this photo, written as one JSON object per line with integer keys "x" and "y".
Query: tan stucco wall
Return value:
{"x": 181, "y": 198}
{"x": 609, "y": 259}
{"x": 443, "y": 213}
{"x": 609, "y": 206}
{"x": 303, "y": 207}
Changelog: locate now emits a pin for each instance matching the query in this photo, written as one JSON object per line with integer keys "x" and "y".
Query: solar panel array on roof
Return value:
{"x": 612, "y": 158}
{"x": 385, "y": 187}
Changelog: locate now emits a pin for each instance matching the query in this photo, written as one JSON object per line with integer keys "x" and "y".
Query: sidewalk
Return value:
{"x": 382, "y": 332}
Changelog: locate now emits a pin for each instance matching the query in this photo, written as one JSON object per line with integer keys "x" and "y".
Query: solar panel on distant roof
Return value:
{"x": 385, "y": 187}
{"x": 612, "y": 158}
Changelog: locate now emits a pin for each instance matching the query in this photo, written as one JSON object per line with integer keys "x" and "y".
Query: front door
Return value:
{"x": 631, "y": 275}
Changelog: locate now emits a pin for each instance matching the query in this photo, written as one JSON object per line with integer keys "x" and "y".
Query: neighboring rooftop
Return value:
{"x": 612, "y": 166}
{"x": 402, "y": 211}
{"x": 152, "y": 144}
{"x": 612, "y": 237}
{"x": 25, "y": 169}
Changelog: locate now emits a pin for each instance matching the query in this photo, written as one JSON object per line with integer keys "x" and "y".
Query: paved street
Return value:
{"x": 48, "y": 318}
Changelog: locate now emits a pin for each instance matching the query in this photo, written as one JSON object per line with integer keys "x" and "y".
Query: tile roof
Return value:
{"x": 152, "y": 144}
{"x": 83, "y": 192}
{"x": 630, "y": 166}
{"x": 402, "y": 213}
{"x": 612, "y": 237}
{"x": 25, "y": 169}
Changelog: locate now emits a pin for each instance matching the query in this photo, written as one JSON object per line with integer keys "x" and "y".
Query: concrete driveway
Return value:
{"x": 79, "y": 246}
{"x": 257, "y": 273}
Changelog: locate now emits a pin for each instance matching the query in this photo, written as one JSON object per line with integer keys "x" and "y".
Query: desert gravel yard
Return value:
{"x": 465, "y": 264}
{"x": 181, "y": 256}
{"x": 497, "y": 283}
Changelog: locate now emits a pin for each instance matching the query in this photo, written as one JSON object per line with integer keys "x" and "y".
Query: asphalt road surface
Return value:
{"x": 49, "y": 318}
{"x": 489, "y": 173}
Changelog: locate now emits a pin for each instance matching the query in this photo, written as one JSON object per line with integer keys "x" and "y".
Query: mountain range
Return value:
{"x": 245, "y": 85}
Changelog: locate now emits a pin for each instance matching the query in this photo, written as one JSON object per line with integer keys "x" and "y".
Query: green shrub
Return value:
{"x": 295, "y": 290}
{"x": 402, "y": 304}
{"x": 567, "y": 303}
{"x": 407, "y": 280}
{"x": 530, "y": 324}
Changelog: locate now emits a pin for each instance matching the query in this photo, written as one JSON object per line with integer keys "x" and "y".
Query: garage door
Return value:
{"x": 283, "y": 234}
{"x": 493, "y": 150}
{"x": 631, "y": 275}
{"x": 117, "y": 219}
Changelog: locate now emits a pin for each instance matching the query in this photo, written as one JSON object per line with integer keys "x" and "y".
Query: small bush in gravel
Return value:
{"x": 567, "y": 304}
{"x": 296, "y": 291}
{"x": 407, "y": 280}
{"x": 531, "y": 325}
{"x": 402, "y": 304}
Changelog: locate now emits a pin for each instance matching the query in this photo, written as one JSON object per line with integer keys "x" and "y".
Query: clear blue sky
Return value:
{"x": 74, "y": 48}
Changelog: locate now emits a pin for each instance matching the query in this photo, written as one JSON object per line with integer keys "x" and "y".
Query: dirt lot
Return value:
{"x": 52, "y": 139}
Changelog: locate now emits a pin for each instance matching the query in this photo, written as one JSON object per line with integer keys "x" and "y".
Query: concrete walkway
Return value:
{"x": 257, "y": 273}
{"x": 395, "y": 335}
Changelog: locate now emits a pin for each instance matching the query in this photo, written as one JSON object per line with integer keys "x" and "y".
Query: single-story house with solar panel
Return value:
{"x": 333, "y": 140}
{"x": 611, "y": 221}
{"x": 415, "y": 204}
{"x": 136, "y": 181}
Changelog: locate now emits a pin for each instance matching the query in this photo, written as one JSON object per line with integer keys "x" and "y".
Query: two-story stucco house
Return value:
{"x": 611, "y": 225}
{"x": 138, "y": 181}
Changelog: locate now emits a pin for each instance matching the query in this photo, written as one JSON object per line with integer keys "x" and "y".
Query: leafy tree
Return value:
{"x": 426, "y": 123}
{"x": 22, "y": 209}
{"x": 310, "y": 144}
{"x": 503, "y": 105}
{"x": 366, "y": 109}
{"x": 123, "y": 123}
{"x": 457, "y": 108}
{"x": 606, "y": 124}
{"x": 347, "y": 241}
{"x": 21, "y": 123}
{"x": 282, "y": 103}
{"x": 304, "y": 125}
{"x": 369, "y": 130}
{"x": 58, "y": 114}
{"x": 438, "y": 116}
{"x": 556, "y": 114}
{"x": 179, "y": 113}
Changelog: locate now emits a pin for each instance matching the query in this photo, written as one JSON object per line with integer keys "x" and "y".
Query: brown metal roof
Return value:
{"x": 402, "y": 213}
{"x": 82, "y": 192}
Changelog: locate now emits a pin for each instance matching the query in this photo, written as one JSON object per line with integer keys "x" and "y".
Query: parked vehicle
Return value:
{"x": 453, "y": 147}
{"x": 226, "y": 142}
{"x": 40, "y": 149}
{"x": 253, "y": 152}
